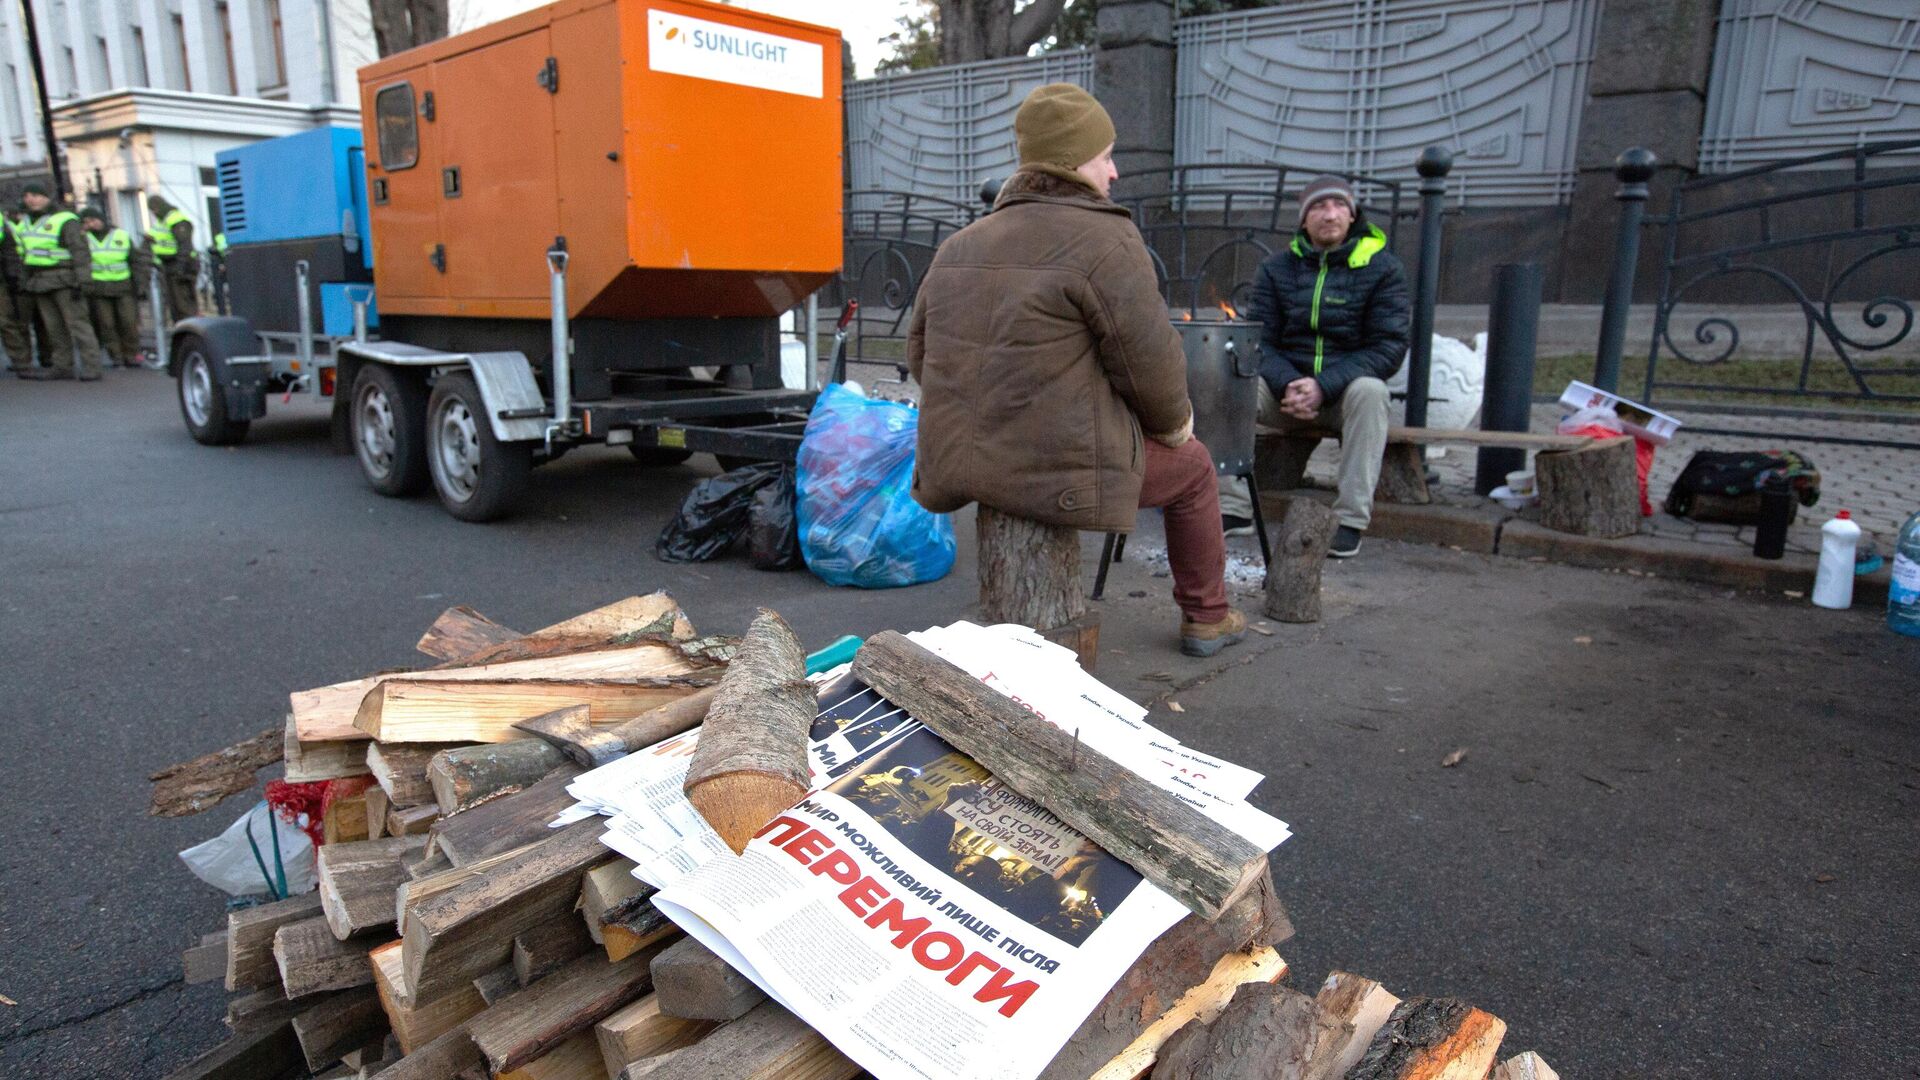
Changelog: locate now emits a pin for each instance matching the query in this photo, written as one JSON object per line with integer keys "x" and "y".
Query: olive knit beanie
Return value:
{"x": 1059, "y": 128}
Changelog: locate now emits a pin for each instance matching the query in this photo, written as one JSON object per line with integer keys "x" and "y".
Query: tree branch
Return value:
{"x": 1032, "y": 24}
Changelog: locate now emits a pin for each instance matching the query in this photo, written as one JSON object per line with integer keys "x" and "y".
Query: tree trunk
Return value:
{"x": 989, "y": 30}
{"x": 1591, "y": 491}
{"x": 1293, "y": 578}
{"x": 1029, "y": 572}
{"x": 1403, "y": 475}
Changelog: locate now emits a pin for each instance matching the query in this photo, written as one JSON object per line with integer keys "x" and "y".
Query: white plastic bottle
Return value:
{"x": 1833, "y": 583}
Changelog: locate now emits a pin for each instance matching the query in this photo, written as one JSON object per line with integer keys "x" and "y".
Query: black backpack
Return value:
{"x": 1725, "y": 486}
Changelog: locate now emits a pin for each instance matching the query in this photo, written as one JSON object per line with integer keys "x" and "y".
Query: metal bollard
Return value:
{"x": 1434, "y": 164}
{"x": 1512, "y": 333}
{"x": 1633, "y": 168}
{"x": 562, "y": 342}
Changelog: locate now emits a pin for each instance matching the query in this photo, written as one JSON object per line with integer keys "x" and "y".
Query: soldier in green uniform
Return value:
{"x": 170, "y": 242}
{"x": 13, "y": 332}
{"x": 54, "y": 251}
{"x": 119, "y": 270}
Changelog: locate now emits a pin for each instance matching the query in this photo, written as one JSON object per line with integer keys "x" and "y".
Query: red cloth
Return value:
{"x": 1180, "y": 482}
{"x": 312, "y": 799}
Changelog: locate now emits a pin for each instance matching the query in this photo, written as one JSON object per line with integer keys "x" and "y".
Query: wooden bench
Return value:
{"x": 1584, "y": 495}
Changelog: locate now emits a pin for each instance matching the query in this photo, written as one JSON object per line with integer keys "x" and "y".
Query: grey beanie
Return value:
{"x": 1322, "y": 187}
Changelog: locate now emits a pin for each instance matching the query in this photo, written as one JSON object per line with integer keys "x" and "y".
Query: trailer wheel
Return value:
{"x": 203, "y": 403}
{"x": 389, "y": 430}
{"x": 657, "y": 456}
{"x": 478, "y": 477}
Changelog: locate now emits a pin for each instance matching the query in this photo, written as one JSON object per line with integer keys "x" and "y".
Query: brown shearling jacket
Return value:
{"x": 1044, "y": 352}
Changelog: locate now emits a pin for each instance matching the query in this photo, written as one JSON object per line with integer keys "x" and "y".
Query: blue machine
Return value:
{"x": 298, "y": 198}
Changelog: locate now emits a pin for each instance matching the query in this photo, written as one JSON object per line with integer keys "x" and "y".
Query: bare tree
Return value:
{"x": 399, "y": 25}
{"x": 990, "y": 29}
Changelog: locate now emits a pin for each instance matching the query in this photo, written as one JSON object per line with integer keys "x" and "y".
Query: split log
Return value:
{"x": 693, "y": 983}
{"x": 408, "y": 709}
{"x": 411, "y": 820}
{"x": 1527, "y": 1066}
{"x": 328, "y": 712}
{"x": 1267, "y": 1031}
{"x": 1432, "y": 1039}
{"x": 653, "y": 617}
{"x": 265, "y": 1006}
{"x": 1591, "y": 491}
{"x": 1029, "y": 572}
{"x": 1199, "y": 1004}
{"x": 343, "y": 1022}
{"x": 445, "y": 876}
{"x": 461, "y": 932}
{"x": 1183, "y": 957}
{"x": 416, "y": 1025}
{"x": 570, "y": 731}
{"x": 1194, "y": 858}
{"x": 547, "y": 948}
{"x": 751, "y": 761}
{"x": 267, "y": 1050}
{"x": 641, "y": 1030}
{"x": 332, "y": 759}
{"x": 311, "y": 959}
{"x": 193, "y": 786}
{"x": 568, "y": 1002}
{"x": 420, "y": 864}
{"x": 377, "y": 805}
{"x": 497, "y": 985}
{"x": 1293, "y": 577}
{"x": 1361, "y": 1004}
{"x": 1403, "y": 475}
{"x": 505, "y": 823}
{"x": 357, "y": 882}
{"x": 463, "y": 777}
{"x": 344, "y": 821}
{"x": 250, "y": 931}
{"x": 604, "y": 888}
{"x": 576, "y": 1059}
{"x": 460, "y": 632}
{"x": 401, "y": 770}
{"x": 207, "y": 961}
{"x": 768, "y": 1043}
{"x": 447, "y": 1055}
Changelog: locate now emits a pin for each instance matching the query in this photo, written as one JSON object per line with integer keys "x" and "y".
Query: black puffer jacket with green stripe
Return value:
{"x": 1334, "y": 316}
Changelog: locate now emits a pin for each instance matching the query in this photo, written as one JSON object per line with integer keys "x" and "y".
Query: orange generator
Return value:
{"x": 644, "y": 185}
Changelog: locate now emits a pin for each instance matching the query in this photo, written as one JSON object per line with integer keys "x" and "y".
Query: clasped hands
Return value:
{"x": 1303, "y": 399}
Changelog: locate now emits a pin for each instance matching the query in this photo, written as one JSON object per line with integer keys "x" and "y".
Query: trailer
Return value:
{"x": 577, "y": 225}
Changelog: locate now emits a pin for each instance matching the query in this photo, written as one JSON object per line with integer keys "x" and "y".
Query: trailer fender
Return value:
{"x": 516, "y": 409}
{"x": 225, "y": 335}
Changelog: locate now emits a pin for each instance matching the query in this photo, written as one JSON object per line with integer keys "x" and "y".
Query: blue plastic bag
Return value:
{"x": 859, "y": 524}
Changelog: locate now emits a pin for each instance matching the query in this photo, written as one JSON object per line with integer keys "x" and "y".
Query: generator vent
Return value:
{"x": 233, "y": 203}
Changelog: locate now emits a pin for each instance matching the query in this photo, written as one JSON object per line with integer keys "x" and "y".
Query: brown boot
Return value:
{"x": 1205, "y": 639}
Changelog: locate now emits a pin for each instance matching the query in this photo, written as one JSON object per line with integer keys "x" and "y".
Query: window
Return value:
{"x": 106, "y": 62}
{"x": 393, "y": 118}
{"x": 226, "y": 43}
{"x": 279, "y": 40}
{"x": 138, "y": 74}
{"x": 180, "y": 39}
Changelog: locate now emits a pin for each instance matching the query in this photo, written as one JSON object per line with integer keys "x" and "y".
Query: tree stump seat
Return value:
{"x": 1030, "y": 575}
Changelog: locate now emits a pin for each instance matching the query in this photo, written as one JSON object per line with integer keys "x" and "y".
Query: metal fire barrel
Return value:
{"x": 1223, "y": 366}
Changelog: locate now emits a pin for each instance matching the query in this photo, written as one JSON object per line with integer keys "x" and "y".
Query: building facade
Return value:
{"x": 144, "y": 93}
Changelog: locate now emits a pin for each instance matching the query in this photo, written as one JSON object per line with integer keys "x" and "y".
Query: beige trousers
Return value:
{"x": 1362, "y": 417}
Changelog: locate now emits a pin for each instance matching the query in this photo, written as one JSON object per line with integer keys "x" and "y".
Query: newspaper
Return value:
{"x": 924, "y": 918}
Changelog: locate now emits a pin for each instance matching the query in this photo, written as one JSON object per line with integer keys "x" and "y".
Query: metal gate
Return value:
{"x": 1823, "y": 232}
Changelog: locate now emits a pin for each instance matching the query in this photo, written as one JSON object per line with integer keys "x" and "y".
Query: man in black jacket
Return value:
{"x": 1335, "y": 307}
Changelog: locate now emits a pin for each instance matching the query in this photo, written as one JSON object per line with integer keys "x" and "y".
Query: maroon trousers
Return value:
{"x": 1180, "y": 482}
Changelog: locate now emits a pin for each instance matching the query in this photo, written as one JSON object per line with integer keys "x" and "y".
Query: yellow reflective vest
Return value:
{"x": 110, "y": 256}
{"x": 160, "y": 235}
{"x": 39, "y": 240}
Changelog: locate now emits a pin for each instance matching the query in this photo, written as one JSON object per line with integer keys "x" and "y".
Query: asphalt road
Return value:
{"x": 1681, "y": 842}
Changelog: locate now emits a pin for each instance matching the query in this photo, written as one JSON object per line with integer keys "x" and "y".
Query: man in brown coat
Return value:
{"x": 1053, "y": 386}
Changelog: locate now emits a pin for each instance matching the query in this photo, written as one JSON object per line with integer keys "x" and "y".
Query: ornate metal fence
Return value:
{"x": 1822, "y": 232}
{"x": 1207, "y": 229}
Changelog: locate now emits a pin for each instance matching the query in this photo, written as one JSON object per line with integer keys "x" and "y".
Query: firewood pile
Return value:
{"x": 455, "y": 933}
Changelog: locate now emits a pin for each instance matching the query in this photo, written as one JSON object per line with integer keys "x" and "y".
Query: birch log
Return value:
{"x": 751, "y": 762}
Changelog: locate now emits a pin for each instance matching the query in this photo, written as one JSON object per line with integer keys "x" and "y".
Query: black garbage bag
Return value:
{"x": 716, "y": 513}
{"x": 773, "y": 532}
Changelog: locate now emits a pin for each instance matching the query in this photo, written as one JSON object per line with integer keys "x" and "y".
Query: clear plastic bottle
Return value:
{"x": 1903, "y": 597}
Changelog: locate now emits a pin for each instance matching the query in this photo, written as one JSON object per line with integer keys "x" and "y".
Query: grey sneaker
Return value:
{"x": 1346, "y": 543}
{"x": 1205, "y": 639}
{"x": 1235, "y": 525}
